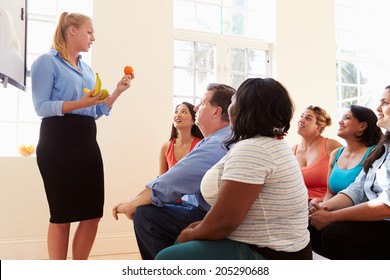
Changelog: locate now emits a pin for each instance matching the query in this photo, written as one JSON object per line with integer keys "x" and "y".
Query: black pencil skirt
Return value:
{"x": 71, "y": 166}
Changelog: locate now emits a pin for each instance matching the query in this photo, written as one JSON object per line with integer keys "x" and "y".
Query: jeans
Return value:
{"x": 158, "y": 227}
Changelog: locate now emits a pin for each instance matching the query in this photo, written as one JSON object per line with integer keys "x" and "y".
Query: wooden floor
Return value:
{"x": 137, "y": 256}
{"x": 132, "y": 256}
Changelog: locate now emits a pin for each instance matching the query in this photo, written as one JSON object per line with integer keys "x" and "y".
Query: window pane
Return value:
{"x": 184, "y": 54}
{"x": 249, "y": 61}
{"x": 205, "y": 56}
{"x": 234, "y": 3}
{"x": 338, "y": 71}
{"x": 237, "y": 60}
{"x": 42, "y": 30}
{"x": 236, "y": 80}
{"x": 194, "y": 68}
{"x": 208, "y": 18}
{"x": 43, "y": 7}
{"x": 349, "y": 92}
{"x": 257, "y": 62}
{"x": 183, "y": 82}
{"x": 348, "y": 72}
{"x": 254, "y": 18}
{"x": 366, "y": 71}
{"x": 347, "y": 104}
{"x": 259, "y": 26}
{"x": 76, "y": 6}
{"x": 233, "y": 21}
{"x": 347, "y": 42}
{"x": 184, "y": 12}
{"x": 8, "y": 108}
{"x": 179, "y": 100}
{"x": 203, "y": 78}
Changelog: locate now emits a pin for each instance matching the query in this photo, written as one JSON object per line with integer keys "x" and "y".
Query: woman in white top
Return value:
{"x": 257, "y": 193}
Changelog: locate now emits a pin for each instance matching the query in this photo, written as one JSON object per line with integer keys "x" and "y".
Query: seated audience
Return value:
{"x": 314, "y": 150}
{"x": 358, "y": 128}
{"x": 257, "y": 193}
{"x": 185, "y": 134}
{"x": 157, "y": 217}
{"x": 355, "y": 224}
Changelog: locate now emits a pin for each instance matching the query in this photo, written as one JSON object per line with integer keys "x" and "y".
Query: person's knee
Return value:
{"x": 332, "y": 232}
{"x": 143, "y": 214}
{"x": 164, "y": 254}
{"x": 332, "y": 239}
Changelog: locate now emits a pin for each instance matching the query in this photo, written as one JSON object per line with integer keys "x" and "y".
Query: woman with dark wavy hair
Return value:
{"x": 257, "y": 195}
{"x": 355, "y": 224}
{"x": 358, "y": 128}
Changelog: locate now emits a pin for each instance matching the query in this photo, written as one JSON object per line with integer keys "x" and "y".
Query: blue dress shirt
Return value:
{"x": 54, "y": 81}
{"x": 185, "y": 176}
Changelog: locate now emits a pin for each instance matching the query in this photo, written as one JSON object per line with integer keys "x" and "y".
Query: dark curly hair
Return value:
{"x": 262, "y": 108}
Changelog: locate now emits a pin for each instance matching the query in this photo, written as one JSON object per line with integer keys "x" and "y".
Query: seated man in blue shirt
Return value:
{"x": 158, "y": 219}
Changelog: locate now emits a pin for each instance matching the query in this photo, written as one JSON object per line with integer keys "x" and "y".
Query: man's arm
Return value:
{"x": 184, "y": 178}
{"x": 128, "y": 207}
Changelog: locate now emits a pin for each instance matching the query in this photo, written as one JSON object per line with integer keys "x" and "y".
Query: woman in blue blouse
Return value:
{"x": 355, "y": 224}
{"x": 68, "y": 155}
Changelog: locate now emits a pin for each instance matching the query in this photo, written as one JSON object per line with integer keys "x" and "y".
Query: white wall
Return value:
{"x": 139, "y": 33}
{"x": 305, "y": 51}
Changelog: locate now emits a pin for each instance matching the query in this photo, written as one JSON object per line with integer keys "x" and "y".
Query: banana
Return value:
{"x": 98, "y": 85}
{"x": 86, "y": 90}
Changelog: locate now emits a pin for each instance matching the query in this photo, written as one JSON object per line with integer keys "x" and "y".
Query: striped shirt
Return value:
{"x": 278, "y": 219}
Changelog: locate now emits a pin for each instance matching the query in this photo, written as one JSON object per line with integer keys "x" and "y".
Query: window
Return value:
{"x": 220, "y": 41}
{"x": 362, "y": 62}
{"x": 19, "y": 124}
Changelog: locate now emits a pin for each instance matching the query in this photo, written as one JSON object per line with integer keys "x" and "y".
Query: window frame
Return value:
{"x": 223, "y": 45}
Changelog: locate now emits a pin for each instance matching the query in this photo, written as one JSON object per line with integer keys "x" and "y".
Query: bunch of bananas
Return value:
{"x": 98, "y": 87}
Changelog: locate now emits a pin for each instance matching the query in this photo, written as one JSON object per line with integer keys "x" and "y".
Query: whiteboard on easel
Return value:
{"x": 13, "y": 34}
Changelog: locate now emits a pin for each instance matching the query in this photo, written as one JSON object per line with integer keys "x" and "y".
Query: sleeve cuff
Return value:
{"x": 57, "y": 108}
{"x": 384, "y": 197}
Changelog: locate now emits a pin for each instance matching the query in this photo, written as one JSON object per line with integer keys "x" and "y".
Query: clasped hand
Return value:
{"x": 319, "y": 215}
{"x": 186, "y": 234}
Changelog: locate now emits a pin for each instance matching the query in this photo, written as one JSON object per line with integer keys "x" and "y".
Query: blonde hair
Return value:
{"x": 61, "y": 34}
{"x": 323, "y": 119}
